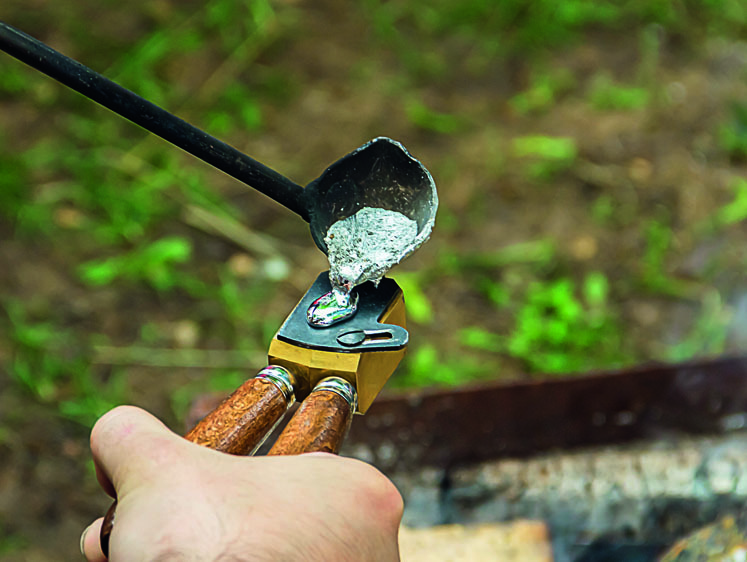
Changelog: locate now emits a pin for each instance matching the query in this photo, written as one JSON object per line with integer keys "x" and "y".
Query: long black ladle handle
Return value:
{"x": 153, "y": 118}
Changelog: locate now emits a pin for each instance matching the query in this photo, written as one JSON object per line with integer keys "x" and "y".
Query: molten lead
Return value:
{"x": 331, "y": 308}
{"x": 364, "y": 246}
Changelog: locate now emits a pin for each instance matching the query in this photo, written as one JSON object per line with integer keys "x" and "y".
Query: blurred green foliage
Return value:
{"x": 732, "y": 134}
{"x": 707, "y": 335}
{"x": 419, "y": 307}
{"x": 605, "y": 94}
{"x": 424, "y": 117}
{"x": 11, "y": 543}
{"x": 735, "y": 211}
{"x": 655, "y": 275}
{"x": 428, "y": 366}
{"x": 545, "y": 89}
{"x": 481, "y": 30}
{"x": 558, "y": 331}
{"x": 152, "y": 264}
{"x": 115, "y": 194}
{"x": 119, "y": 197}
{"x": 546, "y": 156}
{"x": 53, "y": 364}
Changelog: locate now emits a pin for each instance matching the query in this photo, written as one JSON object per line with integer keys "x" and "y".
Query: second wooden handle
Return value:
{"x": 322, "y": 421}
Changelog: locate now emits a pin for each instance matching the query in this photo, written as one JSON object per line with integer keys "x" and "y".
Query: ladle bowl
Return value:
{"x": 379, "y": 174}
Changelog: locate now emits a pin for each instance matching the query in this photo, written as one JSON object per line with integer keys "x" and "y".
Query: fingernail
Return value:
{"x": 319, "y": 454}
{"x": 83, "y": 539}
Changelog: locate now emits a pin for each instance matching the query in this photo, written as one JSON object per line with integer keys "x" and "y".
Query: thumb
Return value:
{"x": 129, "y": 444}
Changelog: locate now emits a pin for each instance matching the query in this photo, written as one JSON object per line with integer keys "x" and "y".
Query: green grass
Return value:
{"x": 707, "y": 336}
{"x": 735, "y": 211}
{"x": 607, "y": 95}
{"x": 559, "y": 328}
{"x": 545, "y": 156}
{"x": 119, "y": 196}
{"x": 427, "y": 366}
{"x": 732, "y": 134}
{"x": 100, "y": 185}
{"x": 427, "y": 119}
{"x": 480, "y": 32}
{"x": 51, "y": 363}
{"x": 11, "y": 543}
{"x": 556, "y": 325}
{"x": 543, "y": 92}
{"x": 153, "y": 264}
{"x": 419, "y": 306}
{"x": 655, "y": 273}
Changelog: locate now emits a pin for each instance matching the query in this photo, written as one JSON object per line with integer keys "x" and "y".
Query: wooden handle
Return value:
{"x": 237, "y": 426}
{"x": 319, "y": 425}
{"x": 241, "y": 422}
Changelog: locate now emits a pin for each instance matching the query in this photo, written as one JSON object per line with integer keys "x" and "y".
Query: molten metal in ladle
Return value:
{"x": 369, "y": 211}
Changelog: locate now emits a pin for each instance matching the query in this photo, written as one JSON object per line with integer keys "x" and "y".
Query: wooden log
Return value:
{"x": 515, "y": 541}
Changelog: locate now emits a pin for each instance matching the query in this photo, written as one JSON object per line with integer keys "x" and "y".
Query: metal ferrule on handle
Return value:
{"x": 282, "y": 379}
{"x": 322, "y": 421}
{"x": 341, "y": 387}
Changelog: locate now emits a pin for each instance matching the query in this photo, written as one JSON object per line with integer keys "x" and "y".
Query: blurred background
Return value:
{"x": 591, "y": 161}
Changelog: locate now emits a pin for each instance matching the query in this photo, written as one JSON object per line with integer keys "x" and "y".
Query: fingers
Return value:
{"x": 129, "y": 443}
{"x": 89, "y": 542}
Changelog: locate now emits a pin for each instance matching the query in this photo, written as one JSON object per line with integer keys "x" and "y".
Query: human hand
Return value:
{"x": 179, "y": 501}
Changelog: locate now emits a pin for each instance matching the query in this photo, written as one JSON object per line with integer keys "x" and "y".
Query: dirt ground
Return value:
{"x": 340, "y": 85}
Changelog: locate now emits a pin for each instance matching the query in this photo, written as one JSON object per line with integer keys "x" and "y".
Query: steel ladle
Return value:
{"x": 381, "y": 173}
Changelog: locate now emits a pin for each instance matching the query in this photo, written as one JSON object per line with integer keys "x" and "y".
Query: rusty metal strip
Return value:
{"x": 447, "y": 428}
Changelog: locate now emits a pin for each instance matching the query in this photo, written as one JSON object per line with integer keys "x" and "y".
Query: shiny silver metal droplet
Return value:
{"x": 331, "y": 308}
